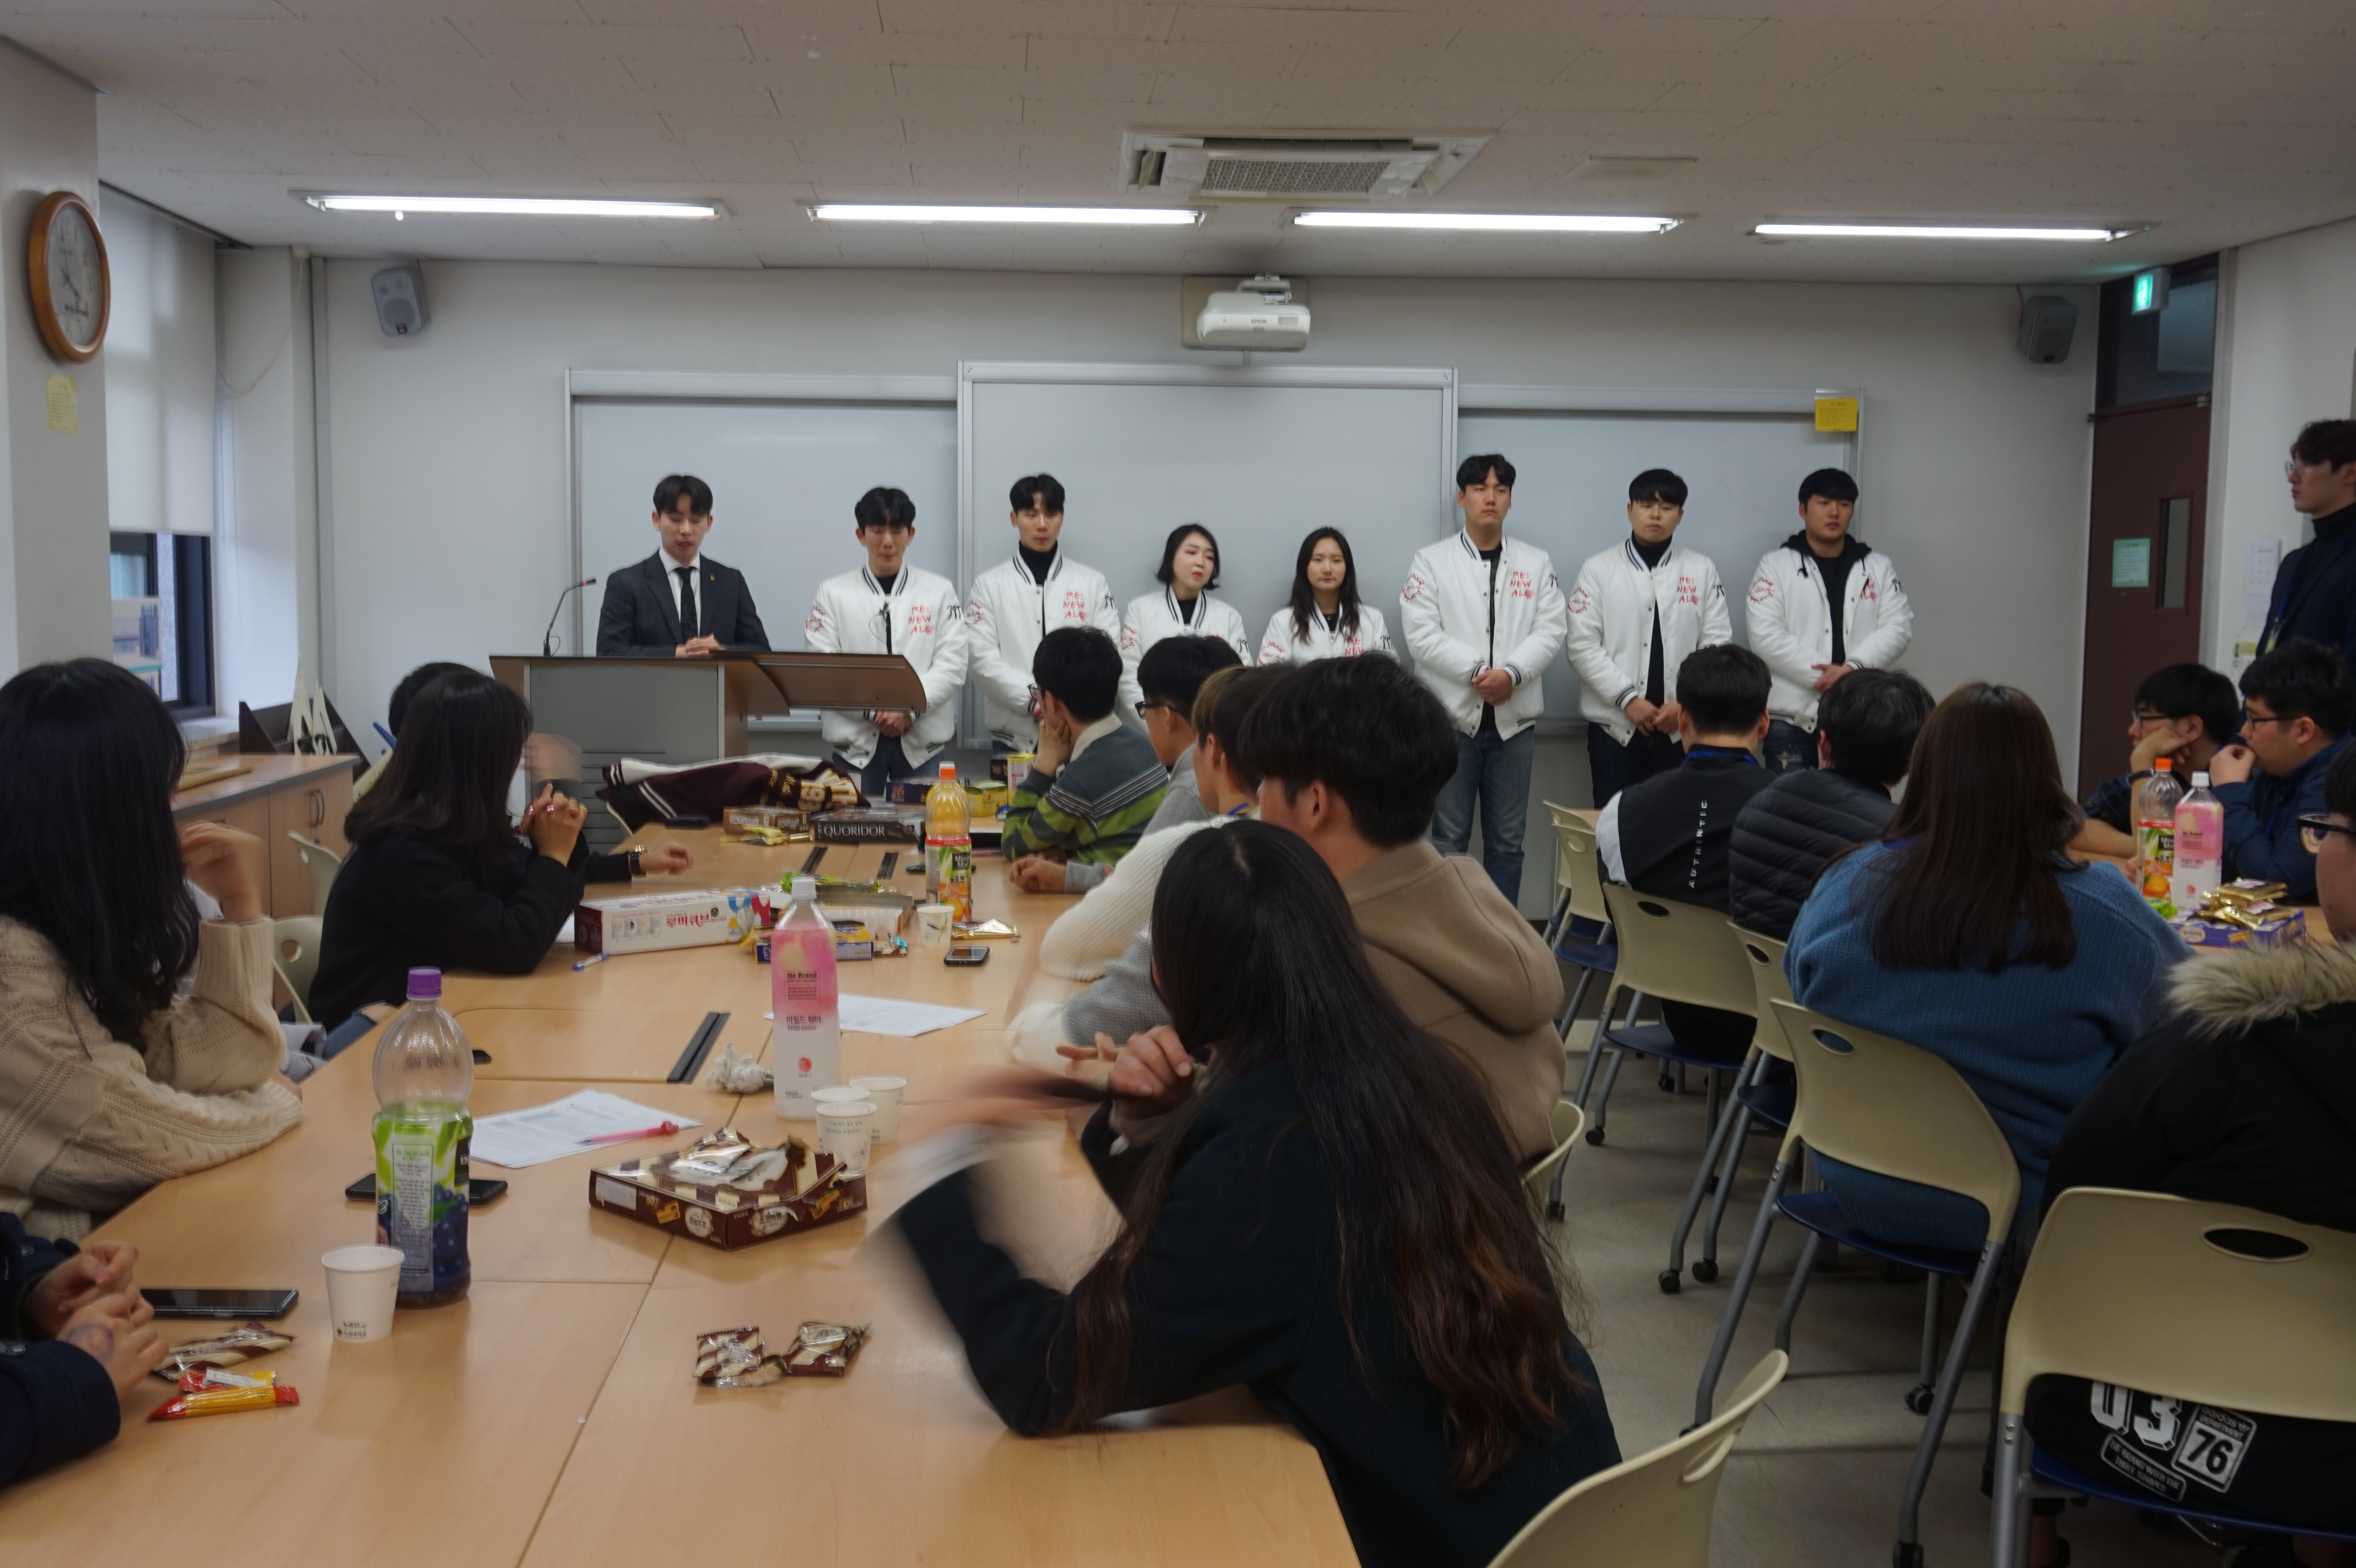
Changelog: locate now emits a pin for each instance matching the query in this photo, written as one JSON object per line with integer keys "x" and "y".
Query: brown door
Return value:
{"x": 2143, "y": 568}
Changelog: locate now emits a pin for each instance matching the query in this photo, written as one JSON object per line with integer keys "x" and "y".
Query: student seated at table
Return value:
{"x": 1865, "y": 727}
{"x": 1094, "y": 932}
{"x": 2296, "y": 704}
{"x": 2246, "y": 1093}
{"x": 437, "y": 876}
{"x": 1969, "y": 932}
{"x": 78, "y": 1337}
{"x": 1171, "y": 675}
{"x": 1669, "y": 835}
{"x": 1095, "y": 783}
{"x": 1318, "y": 1139}
{"x": 396, "y": 710}
{"x": 109, "y": 1081}
{"x": 2183, "y": 713}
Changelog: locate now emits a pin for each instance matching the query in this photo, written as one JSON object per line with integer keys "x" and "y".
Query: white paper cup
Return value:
{"x": 361, "y": 1284}
{"x": 838, "y": 1094}
{"x": 845, "y": 1129}
{"x": 933, "y": 923}
{"x": 885, "y": 1095}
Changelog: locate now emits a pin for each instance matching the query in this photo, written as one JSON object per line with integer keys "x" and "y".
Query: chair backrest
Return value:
{"x": 1565, "y": 1123}
{"x": 1771, "y": 986}
{"x": 1887, "y": 1106}
{"x": 1578, "y": 870}
{"x": 296, "y": 953}
{"x": 2208, "y": 1303}
{"x": 323, "y": 863}
{"x": 1678, "y": 953}
{"x": 1654, "y": 1509}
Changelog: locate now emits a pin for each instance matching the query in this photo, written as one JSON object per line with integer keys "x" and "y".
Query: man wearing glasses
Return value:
{"x": 2314, "y": 594}
{"x": 2297, "y": 703}
{"x": 2183, "y": 713}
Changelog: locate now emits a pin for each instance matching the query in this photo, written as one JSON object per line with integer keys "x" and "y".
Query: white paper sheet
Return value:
{"x": 517, "y": 1138}
{"x": 888, "y": 1015}
{"x": 2264, "y": 560}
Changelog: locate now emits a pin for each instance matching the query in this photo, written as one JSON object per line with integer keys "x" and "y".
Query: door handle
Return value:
{"x": 318, "y": 807}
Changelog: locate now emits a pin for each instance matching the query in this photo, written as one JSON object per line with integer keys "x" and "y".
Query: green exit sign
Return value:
{"x": 2149, "y": 293}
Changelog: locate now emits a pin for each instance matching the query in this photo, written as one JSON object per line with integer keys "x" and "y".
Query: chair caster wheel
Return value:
{"x": 1595, "y": 1136}
{"x": 1705, "y": 1271}
{"x": 1554, "y": 1209}
{"x": 1668, "y": 1082}
{"x": 1917, "y": 1399}
{"x": 1906, "y": 1554}
{"x": 1670, "y": 1282}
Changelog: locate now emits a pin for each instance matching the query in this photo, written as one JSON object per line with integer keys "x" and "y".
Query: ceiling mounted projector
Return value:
{"x": 1257, "y": 313}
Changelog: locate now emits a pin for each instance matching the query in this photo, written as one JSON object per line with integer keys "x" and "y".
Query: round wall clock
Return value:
{"x": 66, "y": 263}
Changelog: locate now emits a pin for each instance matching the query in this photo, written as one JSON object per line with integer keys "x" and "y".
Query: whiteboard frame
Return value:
{"x": 972, "y": 373}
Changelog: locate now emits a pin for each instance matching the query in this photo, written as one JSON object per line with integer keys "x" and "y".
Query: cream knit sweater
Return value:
{"x": 88, "y": 1122}
{"x": 1094, "y": 931}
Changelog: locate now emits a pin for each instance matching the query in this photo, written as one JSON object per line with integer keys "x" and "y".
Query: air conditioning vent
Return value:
{"x": 1278, "y": 168}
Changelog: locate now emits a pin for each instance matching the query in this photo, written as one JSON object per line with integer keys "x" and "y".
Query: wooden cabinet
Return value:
{"x": 279, "y": 796}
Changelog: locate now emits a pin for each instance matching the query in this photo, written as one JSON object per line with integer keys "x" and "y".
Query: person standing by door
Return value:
{"x": 2314, "y": 594}
{"x": 1637, "y": 610}
{"x": 678, "y": 601}
{"x": 1822, "y": 604}
{"x": 1482, "y": 615}
{"x": 890, "y": 607}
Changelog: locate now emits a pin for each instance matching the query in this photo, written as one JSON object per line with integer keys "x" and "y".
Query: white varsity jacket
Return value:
{"x": 1611, "y": 609}
{"x": 920, "y": 619}
{"x": 1791, "y": 623}
{"x": 1326, "y": 641}
{"x": 1007, "y": 615}
{"x": 1153, "y": 616}
{"x": 1457, "y": 624}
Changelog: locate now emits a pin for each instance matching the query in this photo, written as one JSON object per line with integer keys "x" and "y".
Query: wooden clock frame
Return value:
{"x": 36, "y": 248}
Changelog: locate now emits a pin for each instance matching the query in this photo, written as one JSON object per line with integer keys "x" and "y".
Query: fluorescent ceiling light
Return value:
{"x": 516, "y": 205}
{"x": 857, "y": 212}
{"x": 1514, "y": 222}
{"x": 1932, "y": 231}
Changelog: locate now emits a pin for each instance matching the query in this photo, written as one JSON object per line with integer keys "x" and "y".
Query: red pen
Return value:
{"x": 662, "y": 1131}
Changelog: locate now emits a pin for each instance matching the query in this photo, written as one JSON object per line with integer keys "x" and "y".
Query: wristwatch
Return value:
{"x": 638, "y": 863}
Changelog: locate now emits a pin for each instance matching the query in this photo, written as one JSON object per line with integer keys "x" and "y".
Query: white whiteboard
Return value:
{"x": 1571, "y": 493}
{"x": 784, "y": 476}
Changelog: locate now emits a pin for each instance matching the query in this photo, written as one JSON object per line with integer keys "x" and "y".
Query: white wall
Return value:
{"x": 53, "y": 585}
{"x": 2286, "y": 355}
{"x": 266, "y": 561}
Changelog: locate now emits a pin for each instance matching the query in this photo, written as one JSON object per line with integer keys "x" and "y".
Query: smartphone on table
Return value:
{"x": 237, "y": 1304}
{"x": 480, "y": 1189}
{"x": 967, "y": 954}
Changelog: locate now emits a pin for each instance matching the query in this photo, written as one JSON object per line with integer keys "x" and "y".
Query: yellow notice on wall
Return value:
{"x": 1835, "y": 414}
{"x": 65, "y": 408}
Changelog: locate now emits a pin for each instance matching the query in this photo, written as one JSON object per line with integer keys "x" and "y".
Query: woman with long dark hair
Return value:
{"x": 1182, "y": 607}
{"x": 437, "y": 876}
{"x": 1969, "y": 932}
{"x": 1327, "y": 1212}
{"x": 1324, "y": 618}
{"x": 109, "y": 1081}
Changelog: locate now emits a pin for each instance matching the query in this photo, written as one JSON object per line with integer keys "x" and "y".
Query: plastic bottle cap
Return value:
{"x": 2162, "y": 765}
{"x": 425, "y": 985}
{"x": 2199, "y": 780}
{"x": 806, "y": 889}
{"x": 949, "y": 770}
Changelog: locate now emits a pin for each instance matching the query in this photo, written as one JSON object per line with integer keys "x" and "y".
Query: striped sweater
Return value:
{"x": 1096, "y": 809}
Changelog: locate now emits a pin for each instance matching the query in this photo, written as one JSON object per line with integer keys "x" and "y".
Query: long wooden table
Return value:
{"x": 553, "y": 1418}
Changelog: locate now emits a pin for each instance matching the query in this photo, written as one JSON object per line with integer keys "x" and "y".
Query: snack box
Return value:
{"x": 813, "y": 1191}
{"x": 2199, "y": 933}
{"x": 784, "y": 818}
{"x": 870, "y": 824}
{"x": 649, "y": 923}
{"x": 877, "y": 914}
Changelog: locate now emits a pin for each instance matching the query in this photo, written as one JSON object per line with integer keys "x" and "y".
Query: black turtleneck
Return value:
{"x": 1188, "y": 609}
{"x": 1836, "y": 571}
{"x": 1655, "y": 671}
{"x": 2330, "y": 526}
{"x": 1039, "y": 561}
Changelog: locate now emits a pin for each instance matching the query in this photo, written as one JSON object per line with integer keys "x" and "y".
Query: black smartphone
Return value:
{"x": 222, "y": 1303}
{"x": 970, "y": 953}
{"x": 689, "y": 819}
{"x": 479, "y": 1191}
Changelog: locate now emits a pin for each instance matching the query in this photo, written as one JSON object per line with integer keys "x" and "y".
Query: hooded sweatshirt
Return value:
{"x": 1467, "y": 968}
{"x": 2246, "y": 1092}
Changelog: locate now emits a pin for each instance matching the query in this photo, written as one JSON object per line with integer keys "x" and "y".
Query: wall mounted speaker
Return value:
{"x": 400, "y": 294}
{"x": 2048, "y": 321}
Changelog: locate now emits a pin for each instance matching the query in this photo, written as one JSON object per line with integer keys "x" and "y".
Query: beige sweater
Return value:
{"x": 89, "y": 1122}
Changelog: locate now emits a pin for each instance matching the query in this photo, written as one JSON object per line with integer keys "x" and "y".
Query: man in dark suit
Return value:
{"x": 678, "y": 601}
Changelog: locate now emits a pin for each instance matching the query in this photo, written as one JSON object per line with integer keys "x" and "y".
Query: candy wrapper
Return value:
{"x": 824, "y": 1350}
{"x": 212, "y": 1391}
{"x": 737, "y": 1357}
{"x": 2242, "y": 915}
{"x": 239, "y": 1344}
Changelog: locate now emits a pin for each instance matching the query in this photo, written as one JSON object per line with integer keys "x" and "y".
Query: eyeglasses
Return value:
{"x": 2140, "y": 717}
{"x": 2314, "y": 830}
{"x": 1145, "y": 707}
{"x": 2249, "y": 717}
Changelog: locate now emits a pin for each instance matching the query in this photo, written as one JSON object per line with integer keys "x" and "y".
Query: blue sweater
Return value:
{"x": 2262, "y": 823}
{"x": 56, "y": 1402}
{"x": 2032, "y": 1041}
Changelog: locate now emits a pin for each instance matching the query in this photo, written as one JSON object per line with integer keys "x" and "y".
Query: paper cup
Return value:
{"x": 361, "y": 1284}
{"x": 837, "y": 1093}
{"x": 883, "y": 1094}
{"x": 845, "y": 1129}
{"x": 933, "y": 923}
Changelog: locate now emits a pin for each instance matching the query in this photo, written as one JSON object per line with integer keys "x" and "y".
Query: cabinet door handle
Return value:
{"x": 318, "y": 807}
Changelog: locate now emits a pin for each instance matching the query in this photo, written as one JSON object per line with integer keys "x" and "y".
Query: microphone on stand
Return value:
{"x": 548, "y": 639}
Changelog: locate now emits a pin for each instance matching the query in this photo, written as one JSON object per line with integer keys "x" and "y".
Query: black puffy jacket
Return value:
{"x": 1785, "y": 836}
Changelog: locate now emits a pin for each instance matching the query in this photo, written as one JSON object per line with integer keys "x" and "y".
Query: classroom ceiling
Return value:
{"x": 2216, "y": 120}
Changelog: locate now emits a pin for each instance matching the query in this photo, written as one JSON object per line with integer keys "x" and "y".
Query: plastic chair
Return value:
{"x": 1579, "y": 879}
{"x": 294, "y": 953}
{"x": 1654, "y": 1509}
{"x": 1891, "y": 1108}
{"x": 323, "y": 863}
{"x": 1671, "y": 951}
{"x": 1753, "y": 1101}
{"x": 1542, "y": 1179}
{"x": 2252, "y": 1315}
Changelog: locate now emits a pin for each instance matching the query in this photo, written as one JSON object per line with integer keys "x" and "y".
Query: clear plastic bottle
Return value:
{"x": 805, "y": 1005}
{"x": 425, "y": 1071}
{"x": 2199, "y": 846}
{"x": 2153, "y": 816}
{"x": 949, "y": 844}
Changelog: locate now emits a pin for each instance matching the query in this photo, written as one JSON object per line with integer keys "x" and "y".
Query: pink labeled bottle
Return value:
{"x": 805, "y": 1005}
{"x": 2199, "y": 846}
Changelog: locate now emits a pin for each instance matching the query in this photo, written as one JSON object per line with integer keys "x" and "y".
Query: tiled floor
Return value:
{"x": 1818, "y": 1476}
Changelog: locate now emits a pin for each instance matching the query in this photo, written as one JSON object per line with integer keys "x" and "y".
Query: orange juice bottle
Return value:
{"x": 948, "y": 845}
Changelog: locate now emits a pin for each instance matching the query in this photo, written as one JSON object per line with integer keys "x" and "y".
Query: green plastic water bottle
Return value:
{"x": 425, "y": 1071}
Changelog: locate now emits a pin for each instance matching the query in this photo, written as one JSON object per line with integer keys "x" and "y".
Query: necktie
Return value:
{"x": 688, "y": 626}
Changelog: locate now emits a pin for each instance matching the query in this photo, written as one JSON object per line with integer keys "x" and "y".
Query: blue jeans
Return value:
{"x": 1496, "y": 773}
{"x": 1789, "y": 748}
